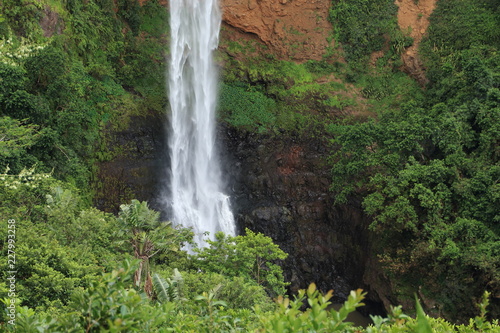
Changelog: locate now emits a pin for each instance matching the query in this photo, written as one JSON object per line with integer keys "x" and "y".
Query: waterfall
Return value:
{"x": 196, "y": 198}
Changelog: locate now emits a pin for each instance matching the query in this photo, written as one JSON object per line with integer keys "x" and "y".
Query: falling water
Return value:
{"x": 196, "y": 197}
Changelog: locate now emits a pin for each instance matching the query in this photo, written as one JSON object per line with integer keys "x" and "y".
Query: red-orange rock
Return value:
{"x": 295, "y": 29}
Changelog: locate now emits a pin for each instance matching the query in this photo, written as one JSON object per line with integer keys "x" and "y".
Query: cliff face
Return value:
{"x": 280, "y": 187}
{"x": 138, "y": 166}
{"x": 295, "y": 29}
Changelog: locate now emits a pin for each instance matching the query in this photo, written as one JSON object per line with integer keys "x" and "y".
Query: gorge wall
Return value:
{"x": 280, "y": 187}
{"x": 137, "y": 168}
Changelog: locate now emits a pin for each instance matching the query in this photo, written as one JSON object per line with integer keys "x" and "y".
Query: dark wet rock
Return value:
{"x": 280, "y": 187}
{"x": 135, "y": 168}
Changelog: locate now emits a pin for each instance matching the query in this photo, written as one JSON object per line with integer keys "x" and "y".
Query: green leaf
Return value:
{"x": 423, "y": 324}
{"x": 161, "y": 288}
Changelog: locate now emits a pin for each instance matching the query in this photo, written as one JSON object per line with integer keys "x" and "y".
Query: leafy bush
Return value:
{"x": 251, "y": 256}
{"x": 363, "y": 25}
{"x": 44, "y": 67}
{"x": 13, "y": 79}
{"x": 246, "y": 108}
{"x": 22, "y": 17}
{"x": 109, "y": 304}
{"x": 471, "y": 23}
{"x": 317, "y": 317}
{"x": 55, "y": 252}
{"x": 17, "y": 139}
{"x": 237, "y": 292}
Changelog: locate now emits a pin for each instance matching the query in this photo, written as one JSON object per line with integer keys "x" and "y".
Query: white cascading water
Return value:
{"x": 196, "y": 197}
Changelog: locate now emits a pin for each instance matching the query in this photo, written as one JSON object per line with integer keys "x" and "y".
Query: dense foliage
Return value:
{"x": 55, "y": 228}
{"x": 426, "y": 167}
{"x": 250, "y": 256}
{"x": 363, "y": 26}
{"x": 428, "y": 171}
{"x": 62, "y": 83}
{"x": 81, "y": 262}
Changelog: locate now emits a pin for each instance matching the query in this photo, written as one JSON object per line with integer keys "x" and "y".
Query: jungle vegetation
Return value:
{"x": 425, "y": 164}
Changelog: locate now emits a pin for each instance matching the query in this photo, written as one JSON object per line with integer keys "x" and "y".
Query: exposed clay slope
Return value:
{"x": 295, "y": 29}
{"x": 413, "y": 16}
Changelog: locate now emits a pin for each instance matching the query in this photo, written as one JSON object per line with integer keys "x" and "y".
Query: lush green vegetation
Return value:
{"x": 427, "y": 169}
{"x": 270, "y": 96}
{"x": 58, "y": 93}
{"x": 76, "y": 272}
{"x": 364, "y": 26}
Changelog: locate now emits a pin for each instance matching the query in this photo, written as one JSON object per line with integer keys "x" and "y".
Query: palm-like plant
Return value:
{"x": 170, "y": 289}
{"x": 148, "y": 236}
